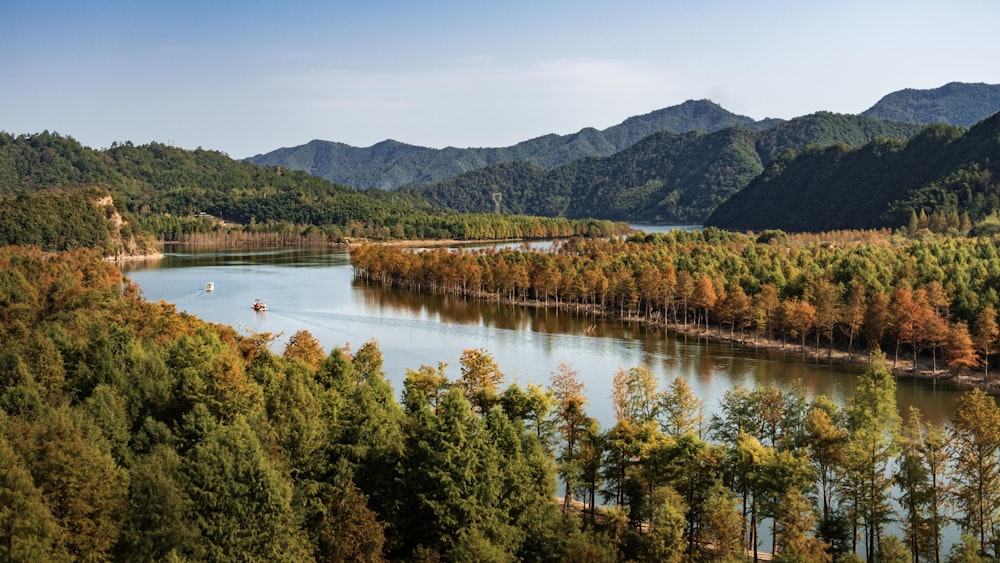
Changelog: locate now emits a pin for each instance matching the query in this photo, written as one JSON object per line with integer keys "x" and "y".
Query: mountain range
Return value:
{"x": 391, "y": 164}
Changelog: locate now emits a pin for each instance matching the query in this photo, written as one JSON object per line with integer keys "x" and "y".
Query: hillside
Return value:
{"x": 390, "y": 164}
{"x": 943, "y": 170}
{"x": 665, "y": 177}
{"x": 171, "y": 193}
{"x": 955, "y": 103}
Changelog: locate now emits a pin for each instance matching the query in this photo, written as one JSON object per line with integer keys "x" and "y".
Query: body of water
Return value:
{"x": 314, "y": 290}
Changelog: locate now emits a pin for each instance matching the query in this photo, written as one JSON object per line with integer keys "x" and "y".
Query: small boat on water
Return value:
{"x": 210, "y": 286}
{"x": 258, "y": 305}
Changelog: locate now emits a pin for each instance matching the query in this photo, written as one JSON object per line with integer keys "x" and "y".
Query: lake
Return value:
{"x": 314, "y": 289}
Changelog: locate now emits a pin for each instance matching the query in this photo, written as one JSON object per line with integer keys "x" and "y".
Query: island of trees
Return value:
{"x": 929, "y": 301}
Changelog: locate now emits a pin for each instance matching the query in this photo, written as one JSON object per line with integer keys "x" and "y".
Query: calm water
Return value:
{"x": 314, "y": 289}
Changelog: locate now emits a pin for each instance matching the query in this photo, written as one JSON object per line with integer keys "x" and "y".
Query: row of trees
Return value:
{"x": 130, "y": 431}
{"x": 933, "y": 298}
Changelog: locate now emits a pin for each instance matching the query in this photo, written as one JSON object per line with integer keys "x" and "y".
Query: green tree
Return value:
{"x": 28, "y": 531}
{"x": 975, "y": 442}
{"x": 665, "y": 541}
{"x": 242, "y": 503}
{"x": 85, "y": 489}
{"x": 873, "y": 425}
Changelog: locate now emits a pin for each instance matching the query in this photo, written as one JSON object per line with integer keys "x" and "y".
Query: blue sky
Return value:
{"x": 249, "y": 77}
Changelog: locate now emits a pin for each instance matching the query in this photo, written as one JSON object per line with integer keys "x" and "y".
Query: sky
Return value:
{"x": 249, "y": 77}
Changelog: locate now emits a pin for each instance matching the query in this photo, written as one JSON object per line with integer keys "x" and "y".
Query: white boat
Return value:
{"x": 258, "y": 305}
{"x": 210, "y": 286}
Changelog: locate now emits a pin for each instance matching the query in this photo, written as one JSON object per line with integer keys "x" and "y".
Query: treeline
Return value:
{"x": 933, "y": 298}
{"x": 129, "y": 431}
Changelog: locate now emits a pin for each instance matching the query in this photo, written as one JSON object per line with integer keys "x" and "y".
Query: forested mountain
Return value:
{"x": 664, "y": 177}
{"x": 955, "y": 103}
{"x": 391, "y": 164}
{"x": 944, "y": 170}
{"x": 172, "y": 192}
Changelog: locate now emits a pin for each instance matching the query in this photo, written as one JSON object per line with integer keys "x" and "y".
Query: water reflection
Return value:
{"x": 313, "y": 289}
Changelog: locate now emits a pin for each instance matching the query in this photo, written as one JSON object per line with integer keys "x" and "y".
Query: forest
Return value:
{"x": 665, "y": 177}
{"x": 170, "y": 194}
{"x": 131, "y": 431}
{"x": 927, "y": 299}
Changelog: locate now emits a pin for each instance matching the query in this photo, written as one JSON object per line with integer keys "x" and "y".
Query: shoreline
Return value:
{"x": 903, "y": 370}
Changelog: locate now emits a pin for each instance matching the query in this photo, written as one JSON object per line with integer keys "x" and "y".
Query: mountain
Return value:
{"x": 390, "y": 164}
{"x": 955, "y": 103}
{"x": 665, "y": 177}
{"x": 943, "y": 170}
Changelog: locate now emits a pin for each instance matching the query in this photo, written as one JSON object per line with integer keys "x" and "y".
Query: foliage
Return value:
{"x": 200, "y": 195}
{"x": 955, "y": 103}
{"x": 667, "y": 176}
{"x": 942, "y": 179}
{"x": 130, "y": 431}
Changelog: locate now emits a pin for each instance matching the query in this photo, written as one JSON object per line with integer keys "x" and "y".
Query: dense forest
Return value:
{"x": 130, "y": 431}
{"x": 174, "y": 194}
{"x": 665, "y": 177}
{"x": 932, "y": 297}
{"x": 955, "y": 103}
{"x": 885, "y": 183}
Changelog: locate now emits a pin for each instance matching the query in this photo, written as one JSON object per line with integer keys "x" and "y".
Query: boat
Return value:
{"x": 258, "y": 305}
{"x": 210, "y": 286}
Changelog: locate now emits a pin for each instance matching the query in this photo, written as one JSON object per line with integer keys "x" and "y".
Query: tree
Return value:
{"x": 795, "y": 523}
{"x": 28, "y": 531}
{"x": 84, "y": 487}
{"x": 304, "y": 347}
{"x": 825, "y": 299}
{"x": 826, "y": 442}
{"x": 481, "y": 379}
{"x": 853, "y": 314}
{"x": 985, "y": 333}
{"x": 975, "y": 445}
{"x": 159, "y": 524}
{"x": 571, "y": 419}
{"x": 665, "y": 541}
{"x": 242, "y": 503}
{"x": 873, "y": 424}
{"x": 680, "y": 409}
{"x": 915, "y": 487}
{"x": 705, "y": 295}
{"x": 960, "y": 352}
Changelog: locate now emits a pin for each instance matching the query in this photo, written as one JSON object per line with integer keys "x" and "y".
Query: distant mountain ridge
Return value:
{"x": 955, "y": 103}
{"x": 390, "y": 164}
{"x": 665, "y": 177}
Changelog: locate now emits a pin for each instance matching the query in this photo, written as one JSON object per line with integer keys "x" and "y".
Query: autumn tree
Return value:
{"x": 481, "y": 379}
{"x": 985, "y": 335}
{"x": 303, "y": 346}
{"x": 572, "y": 420}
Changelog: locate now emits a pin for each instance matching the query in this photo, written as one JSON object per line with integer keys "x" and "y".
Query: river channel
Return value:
{"x": 314, "y": 289}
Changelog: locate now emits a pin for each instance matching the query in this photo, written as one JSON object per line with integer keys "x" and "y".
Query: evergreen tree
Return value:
{"x": 975, "y": 435}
